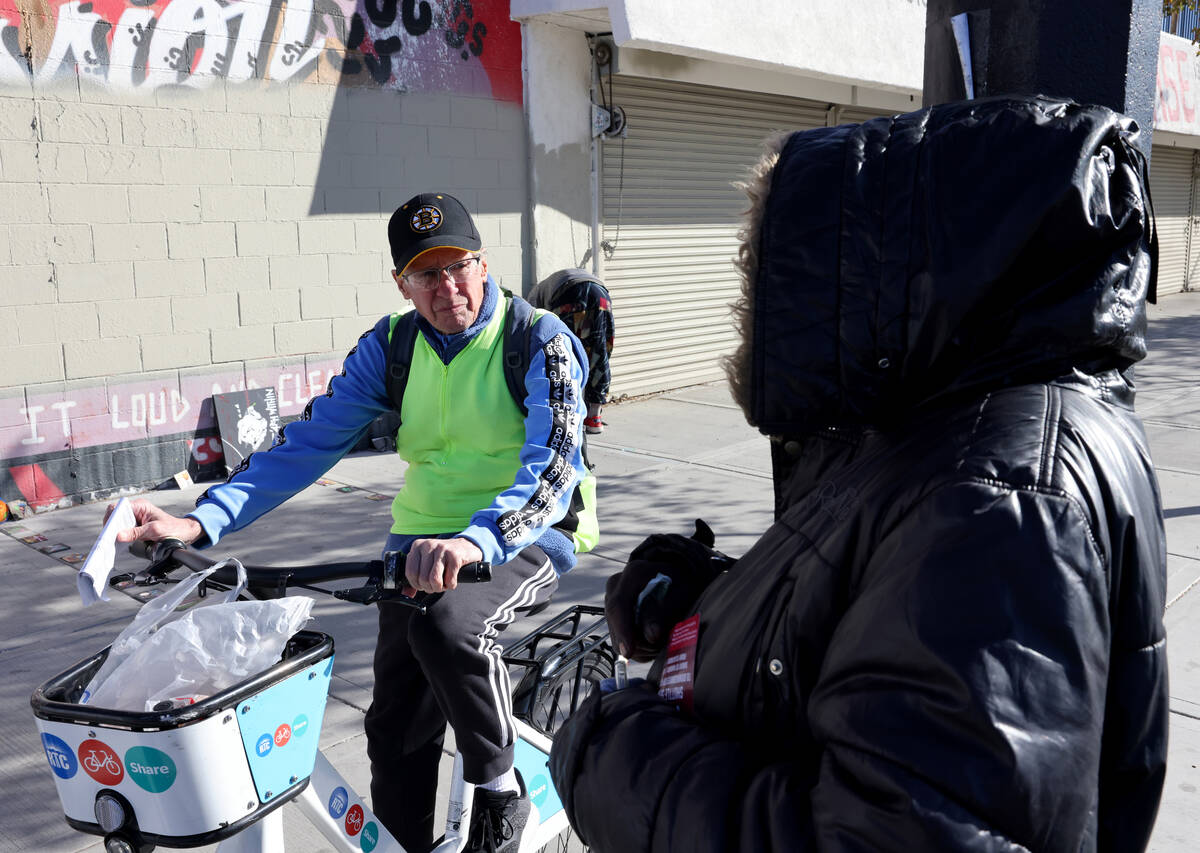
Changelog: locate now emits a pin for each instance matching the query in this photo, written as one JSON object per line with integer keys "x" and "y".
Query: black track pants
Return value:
{"x": 442, "y": 667}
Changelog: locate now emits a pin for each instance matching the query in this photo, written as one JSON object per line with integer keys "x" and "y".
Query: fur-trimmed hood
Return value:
{"x": 953, "y": 250}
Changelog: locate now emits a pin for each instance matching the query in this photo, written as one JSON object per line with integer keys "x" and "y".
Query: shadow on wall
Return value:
{"x": 427, "y": 92}
{"x": 428, "y": 97}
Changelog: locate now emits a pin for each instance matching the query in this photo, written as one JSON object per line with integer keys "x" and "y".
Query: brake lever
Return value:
{"x": 373, "y": 591}
{"x": 162, "y": 563}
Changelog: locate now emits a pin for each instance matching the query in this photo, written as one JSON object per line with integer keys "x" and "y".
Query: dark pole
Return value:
{"x": 1092, "y": 51}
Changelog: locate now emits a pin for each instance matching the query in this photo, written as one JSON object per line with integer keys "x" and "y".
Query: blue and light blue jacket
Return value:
{"x": 334, "y": 422}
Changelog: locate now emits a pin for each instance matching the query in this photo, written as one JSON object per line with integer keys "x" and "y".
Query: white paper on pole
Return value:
{"x": 98, "y": 567}
{"x": 962, "y": 38}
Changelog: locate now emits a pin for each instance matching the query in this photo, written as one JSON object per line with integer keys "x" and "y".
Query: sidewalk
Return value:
{"x": 661, "y": 463}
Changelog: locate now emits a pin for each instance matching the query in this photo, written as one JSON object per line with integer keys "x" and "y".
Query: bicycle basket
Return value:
{"x": 196, "y": 774}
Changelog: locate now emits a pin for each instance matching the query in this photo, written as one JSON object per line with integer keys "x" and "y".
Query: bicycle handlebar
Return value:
{"x": 382, "y": 578}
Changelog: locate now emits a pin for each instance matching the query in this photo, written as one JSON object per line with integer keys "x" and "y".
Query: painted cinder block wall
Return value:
{"x": 193, "y": 200}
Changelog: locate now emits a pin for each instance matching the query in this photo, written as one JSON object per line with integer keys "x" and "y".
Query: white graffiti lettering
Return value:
{"x": 151, "y": 409}
{"x": 64, "y": 419}
{"x": 206, "y": 450}
{"x": 179, "y": 406}
{"x": 193, "y": 43}
{"x": 31, "y": 414}
{"x": 117, "y": 423}
{"x": 74, "y": 45}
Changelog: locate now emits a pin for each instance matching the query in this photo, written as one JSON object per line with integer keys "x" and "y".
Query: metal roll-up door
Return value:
{"x": 671, "y": 215}
{"x": 857, "y": 115}
{"x": 1171, "y": 192}
{"x": 1192, "y": 279}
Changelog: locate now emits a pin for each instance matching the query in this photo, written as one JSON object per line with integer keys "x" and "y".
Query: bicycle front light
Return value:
{"x": 112, "y": 811}
{"x": 117, "y": 844}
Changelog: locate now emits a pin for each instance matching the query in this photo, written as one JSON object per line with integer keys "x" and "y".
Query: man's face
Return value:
{"x": 452, "y": 305}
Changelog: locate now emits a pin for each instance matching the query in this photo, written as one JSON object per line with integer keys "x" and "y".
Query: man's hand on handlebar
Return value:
{"x": 156, "y": 524}
{"x": 433, "y": 564}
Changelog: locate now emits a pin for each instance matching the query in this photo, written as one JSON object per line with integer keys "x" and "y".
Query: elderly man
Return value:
{"x": 952, "y": 637}
{"x": 485, "y": 481}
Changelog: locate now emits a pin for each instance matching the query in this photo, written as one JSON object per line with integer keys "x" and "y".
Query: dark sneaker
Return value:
{"x": 497, "y": 820}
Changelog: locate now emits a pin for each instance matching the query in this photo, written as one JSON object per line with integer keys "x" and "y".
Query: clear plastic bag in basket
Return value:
{"x": 162, "y": 655}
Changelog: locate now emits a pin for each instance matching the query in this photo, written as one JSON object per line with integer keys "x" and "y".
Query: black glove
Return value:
{"x": 642, "y": 606}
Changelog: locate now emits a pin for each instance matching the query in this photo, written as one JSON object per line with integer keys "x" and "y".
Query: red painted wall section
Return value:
{"x": 131, "y": 411}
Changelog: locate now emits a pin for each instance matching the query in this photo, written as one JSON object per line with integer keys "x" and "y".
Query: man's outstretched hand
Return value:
{"x": 432, "y": 564}
{"x": 660, "y": 583}
{"x": 155, "y": 524}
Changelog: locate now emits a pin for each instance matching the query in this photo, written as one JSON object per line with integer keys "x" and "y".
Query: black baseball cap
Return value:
{"x": 430, "y": 221}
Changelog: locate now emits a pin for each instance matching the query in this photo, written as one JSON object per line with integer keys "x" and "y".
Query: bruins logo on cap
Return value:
{"x": 425, "y": 218}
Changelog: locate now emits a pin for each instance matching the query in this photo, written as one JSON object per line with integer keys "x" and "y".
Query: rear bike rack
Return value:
{"x": 572, "y": 649}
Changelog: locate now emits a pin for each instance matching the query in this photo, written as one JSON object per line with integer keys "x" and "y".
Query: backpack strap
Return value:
{"x": 518, "y": 323}
{"x": 400, "y": 356}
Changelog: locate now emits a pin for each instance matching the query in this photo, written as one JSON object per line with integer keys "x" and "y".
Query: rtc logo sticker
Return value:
{"x": 426, "y": 218}
{"x": 354, "y": 820}
{"x": 62, "y": 760}
{"x": 338, "y": 801}
{"x": 263, "y": 745}
{"x": 299, "y": 726}
{"x": 101, "y": 763}
{"x": 152, "y": 769}
{"x": 370, "y": 837}
{"x": 283, "y": 734}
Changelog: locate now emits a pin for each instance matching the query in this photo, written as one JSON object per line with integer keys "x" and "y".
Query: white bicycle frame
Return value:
{"x": 331, "y": 805}
{"x": 162, "y": 790}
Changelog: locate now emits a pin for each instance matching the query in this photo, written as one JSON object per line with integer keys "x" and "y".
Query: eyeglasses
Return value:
{"x": 429, "y": 279}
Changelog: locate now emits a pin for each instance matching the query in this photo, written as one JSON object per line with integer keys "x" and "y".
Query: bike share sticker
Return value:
{"x": 354, "y": 820}
{"x": 369, "y": 837}
{"x": 338, "y": 801}
{"x": 61, "y": 758}
{"x": 539, "y": 789}
{"x": 275, "y": 726}
{"x": 101, "y": 763}
{"x": 678, "y": 671}
{"x": 152, "y": 769}
{"x": 532, "y": 764}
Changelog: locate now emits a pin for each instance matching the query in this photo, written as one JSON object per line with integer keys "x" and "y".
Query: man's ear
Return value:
{"x": 400, "y": 284}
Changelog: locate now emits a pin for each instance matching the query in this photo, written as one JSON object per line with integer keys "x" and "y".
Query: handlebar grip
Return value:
{"x": 480, "y": 572}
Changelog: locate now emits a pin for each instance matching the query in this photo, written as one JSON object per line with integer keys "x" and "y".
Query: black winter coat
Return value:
{"x": 952, "y": 637}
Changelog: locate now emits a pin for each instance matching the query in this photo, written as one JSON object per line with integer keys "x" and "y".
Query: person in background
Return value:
{"x": 582, "y": 302}
{"x": 952, "y": 637}
{"x": 483, "y": 482}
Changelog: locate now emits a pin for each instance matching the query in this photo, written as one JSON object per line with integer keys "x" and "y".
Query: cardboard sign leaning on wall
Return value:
{"x": 247, "y": 421}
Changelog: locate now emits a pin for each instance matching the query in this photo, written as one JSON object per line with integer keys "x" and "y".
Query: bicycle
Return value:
{"x": 147, "y": 783}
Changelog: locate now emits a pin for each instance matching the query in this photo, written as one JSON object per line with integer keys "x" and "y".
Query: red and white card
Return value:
{"x": 678, "y": 672}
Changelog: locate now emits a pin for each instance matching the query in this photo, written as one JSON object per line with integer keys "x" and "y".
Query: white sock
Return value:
{"x": 504, "y": 782}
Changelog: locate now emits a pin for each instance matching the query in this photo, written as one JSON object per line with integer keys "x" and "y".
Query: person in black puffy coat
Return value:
{"x": 952, "y": 637}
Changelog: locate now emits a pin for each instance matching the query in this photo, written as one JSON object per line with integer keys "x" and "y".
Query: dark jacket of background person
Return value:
{"x": 951, "y": 638}
{"x": 582, "y": 302}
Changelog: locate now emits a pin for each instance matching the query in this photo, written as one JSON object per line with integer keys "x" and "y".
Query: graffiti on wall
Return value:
{"x": 135, "y": 411}
{"x": 465, "y": 46}
{"x": 1178, "y": 86}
